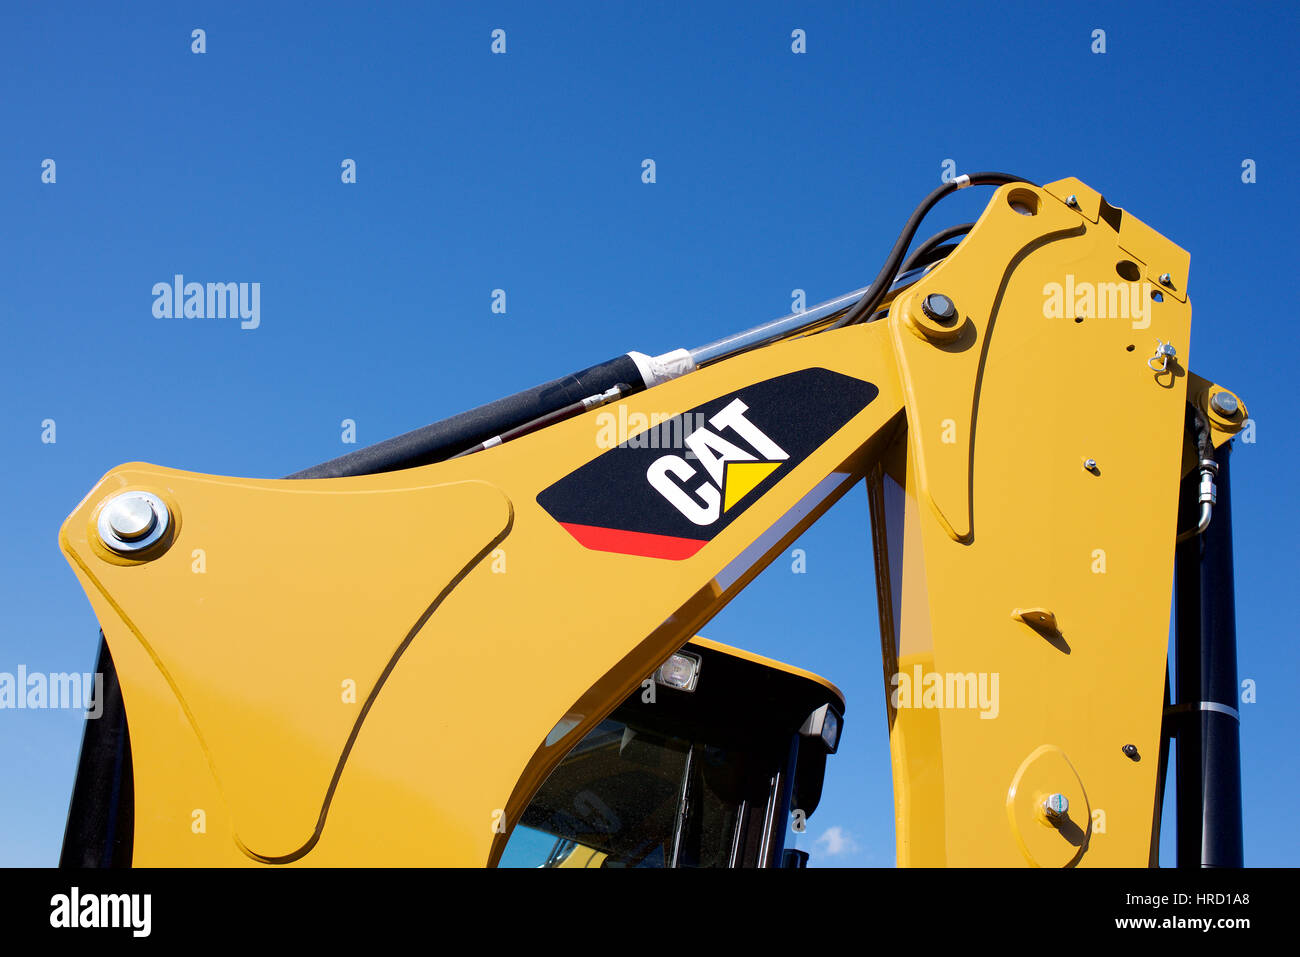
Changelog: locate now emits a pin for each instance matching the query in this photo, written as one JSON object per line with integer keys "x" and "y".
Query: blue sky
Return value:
{"x": 775, "y": 171}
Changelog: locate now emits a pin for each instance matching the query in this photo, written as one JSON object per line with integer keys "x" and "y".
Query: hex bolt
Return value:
{"x": 1224, "y": 403}
{"x": 1090, "y": 465}
{"x": 1131, "y": 751}
{"x": 1166, "y": 279}
{"x": 1056, "y": 807}
{"x": 1072, "y": 201}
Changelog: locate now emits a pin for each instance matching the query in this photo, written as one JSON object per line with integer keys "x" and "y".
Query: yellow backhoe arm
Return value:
{"x": 382, "y": 669}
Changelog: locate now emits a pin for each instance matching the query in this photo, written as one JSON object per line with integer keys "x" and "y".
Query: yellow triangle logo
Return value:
{"x": 742, "y": 477}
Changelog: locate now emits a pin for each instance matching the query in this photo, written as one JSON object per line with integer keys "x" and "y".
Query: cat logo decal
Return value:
{"x": 667, "y": 492}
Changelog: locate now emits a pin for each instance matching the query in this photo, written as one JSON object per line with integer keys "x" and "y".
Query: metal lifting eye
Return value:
{"x": 1164, "y": 352}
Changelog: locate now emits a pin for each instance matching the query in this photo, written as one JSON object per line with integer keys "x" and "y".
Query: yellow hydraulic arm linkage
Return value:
{"x": 1023, "y": 449}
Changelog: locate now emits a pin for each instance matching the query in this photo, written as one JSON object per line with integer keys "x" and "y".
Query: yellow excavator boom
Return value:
{"x": 383, "y": 669}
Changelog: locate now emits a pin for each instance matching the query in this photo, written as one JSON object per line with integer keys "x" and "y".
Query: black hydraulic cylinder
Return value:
{"x": 1206, "y": 720}
{"x": 442, "y": 440}
{"x": 100, "y": 828}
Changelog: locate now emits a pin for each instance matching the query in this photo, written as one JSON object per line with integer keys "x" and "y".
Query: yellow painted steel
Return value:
{"x": 999, "y": 514}
{"x": 383, "y": 669}
{"x": 487, "y": 678}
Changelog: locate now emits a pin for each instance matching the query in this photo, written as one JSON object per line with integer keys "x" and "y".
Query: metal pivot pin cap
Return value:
{"x": 1224, "y": 403}
{"x": 132, "y": 521}
{"x": 939, "y": 308}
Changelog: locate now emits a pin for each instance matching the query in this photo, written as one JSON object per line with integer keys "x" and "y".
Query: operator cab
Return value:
{"x": 709, "y": 764}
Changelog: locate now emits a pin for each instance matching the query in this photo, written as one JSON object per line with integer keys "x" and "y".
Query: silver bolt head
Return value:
{"x": 1224, "y": 403}
{"x": 1166, "y": 279}
{"x": 1090, "y": 464}
{"x": 1057, "y": 806}
{"x": 1072, "y": 200}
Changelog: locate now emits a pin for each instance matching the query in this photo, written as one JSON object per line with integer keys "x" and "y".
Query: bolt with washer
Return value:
{"x": 1056, "y": 807}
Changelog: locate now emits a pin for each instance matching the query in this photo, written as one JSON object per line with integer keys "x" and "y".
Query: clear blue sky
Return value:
{"x": 775, "y": 171}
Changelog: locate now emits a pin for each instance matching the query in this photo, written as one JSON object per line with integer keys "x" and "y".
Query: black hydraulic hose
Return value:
{"x": 865, "y": 306}
{"x": 1199, "y": 427}
{"x": 550, "y": 418}
{"x": 926, "y": 253}
{"x": 928, "y": 256}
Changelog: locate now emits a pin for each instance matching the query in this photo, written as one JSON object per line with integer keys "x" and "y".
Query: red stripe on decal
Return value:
{"x": 633, "y": 543}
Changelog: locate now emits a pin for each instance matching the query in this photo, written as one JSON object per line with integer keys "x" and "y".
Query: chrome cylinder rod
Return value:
{"x": 788, "y": 325}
